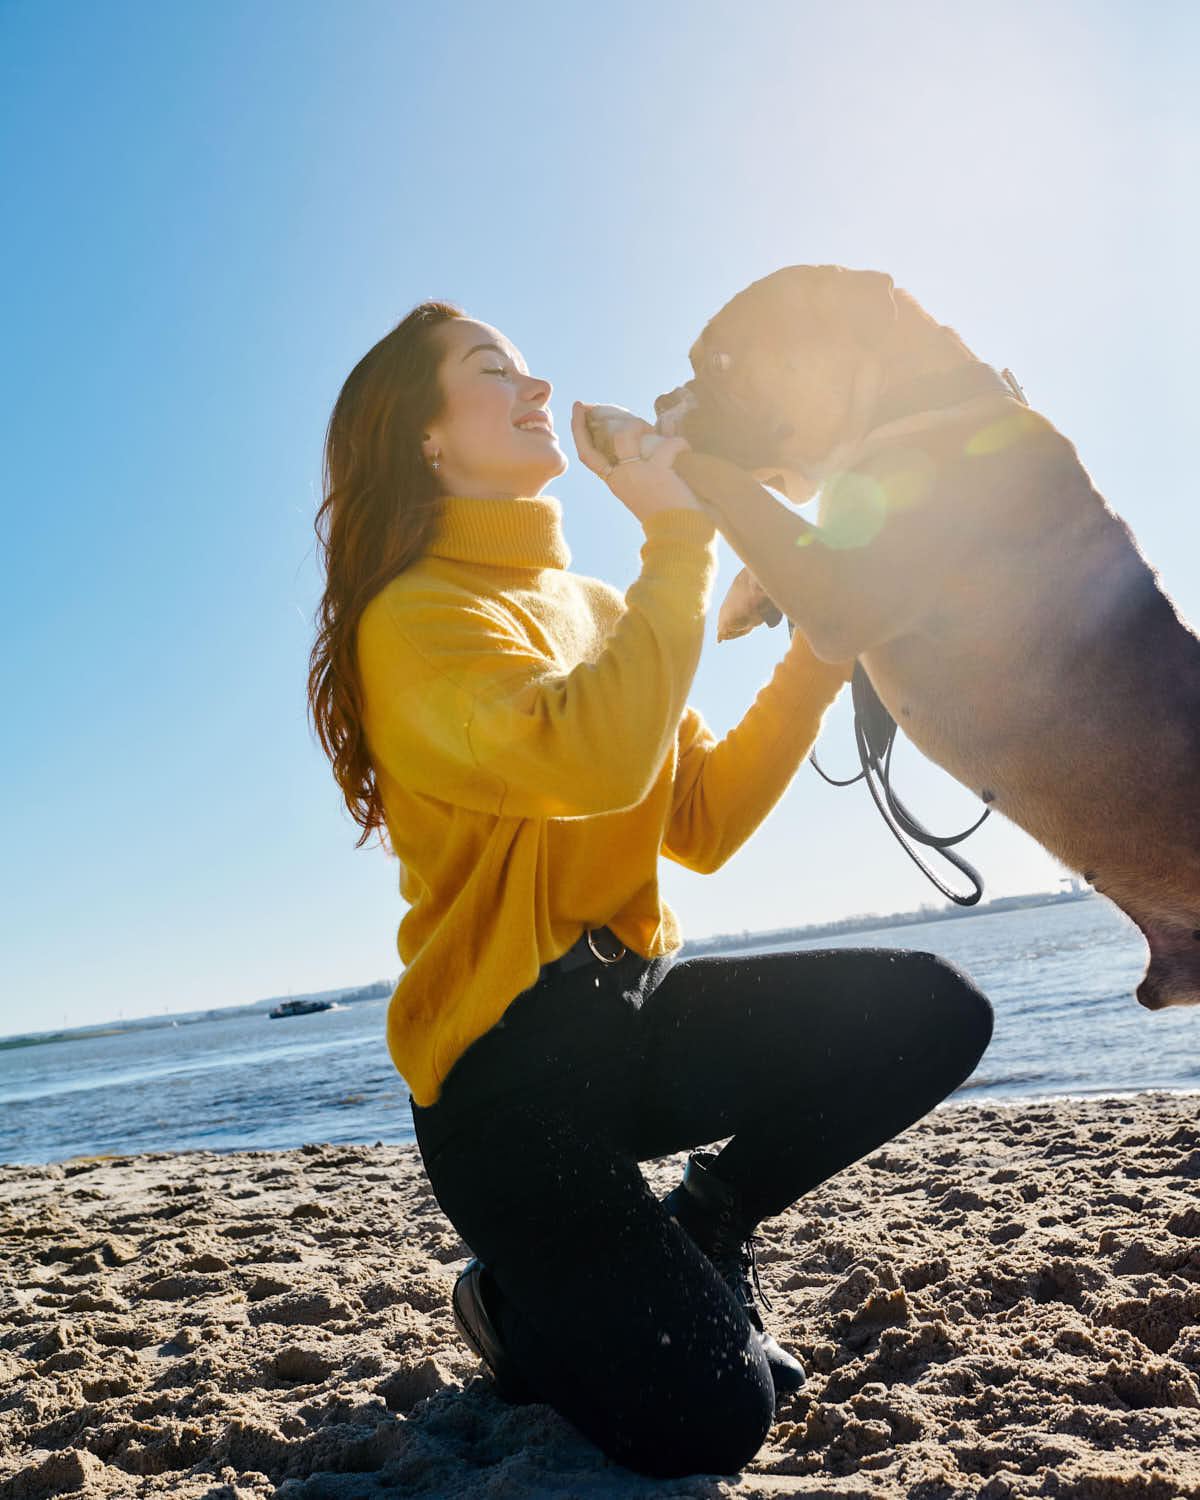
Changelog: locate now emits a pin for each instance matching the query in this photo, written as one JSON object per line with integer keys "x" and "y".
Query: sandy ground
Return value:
{"x": 1003, "y": 1302}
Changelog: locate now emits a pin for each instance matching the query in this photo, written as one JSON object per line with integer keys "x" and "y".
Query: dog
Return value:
{"x": 1001, "y": 610}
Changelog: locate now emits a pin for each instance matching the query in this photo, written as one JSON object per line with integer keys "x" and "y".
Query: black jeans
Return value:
{"x": 610, "y": 1312}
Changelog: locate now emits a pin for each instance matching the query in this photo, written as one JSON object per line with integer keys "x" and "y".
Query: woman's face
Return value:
{"x": 494, "y": 437}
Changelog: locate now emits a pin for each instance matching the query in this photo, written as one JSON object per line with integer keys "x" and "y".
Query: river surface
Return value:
{"x": 1061, "y": 979}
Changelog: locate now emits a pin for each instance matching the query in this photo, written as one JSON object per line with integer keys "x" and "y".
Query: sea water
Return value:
{"x": 1061, "y": 979}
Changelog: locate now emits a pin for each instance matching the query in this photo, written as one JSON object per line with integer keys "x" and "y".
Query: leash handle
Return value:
{"x": 911, "y": 825}
{"x": 874, "y": 737}
{"x": 883, "y": 802}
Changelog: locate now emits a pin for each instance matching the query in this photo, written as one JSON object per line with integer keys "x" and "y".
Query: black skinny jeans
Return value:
{"x": 607, "y": 1308}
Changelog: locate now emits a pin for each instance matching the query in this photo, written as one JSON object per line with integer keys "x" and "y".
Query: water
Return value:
{"x": 229, "y": 1082}
{"x": 1061, "y": 979}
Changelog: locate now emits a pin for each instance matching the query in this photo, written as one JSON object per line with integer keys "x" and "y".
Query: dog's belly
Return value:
{"x": 949, "y": 707}
{"x": 1101, "y": 773}
{"x": 1097, "y": 760}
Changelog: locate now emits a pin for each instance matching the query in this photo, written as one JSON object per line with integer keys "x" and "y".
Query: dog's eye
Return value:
{"x": 720, "y": 361}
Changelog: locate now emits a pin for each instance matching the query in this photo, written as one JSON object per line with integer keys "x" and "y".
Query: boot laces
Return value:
{"x": 739, "y": 1266}
{"x": 749, "y": 1257}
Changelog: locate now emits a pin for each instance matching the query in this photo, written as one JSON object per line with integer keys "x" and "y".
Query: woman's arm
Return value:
{"x": 459, "y": 706}
{"x": 724, "y": 789}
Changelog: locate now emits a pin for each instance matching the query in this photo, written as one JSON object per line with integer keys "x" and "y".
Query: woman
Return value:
{"x": 522, "y": 735}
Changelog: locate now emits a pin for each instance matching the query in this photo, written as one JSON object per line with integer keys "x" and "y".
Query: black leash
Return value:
{"x": 875, "y": 735}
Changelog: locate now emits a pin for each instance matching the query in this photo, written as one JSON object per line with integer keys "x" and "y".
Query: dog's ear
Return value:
{"x": 865, "y": 301}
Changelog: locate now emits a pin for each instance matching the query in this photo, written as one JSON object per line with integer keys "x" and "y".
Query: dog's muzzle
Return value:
{"x": 712, "y": 424}
{"x": 671, "y": 410}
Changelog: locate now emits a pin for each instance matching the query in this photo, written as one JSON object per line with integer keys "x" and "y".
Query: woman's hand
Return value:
{"x": 644, "y": 486}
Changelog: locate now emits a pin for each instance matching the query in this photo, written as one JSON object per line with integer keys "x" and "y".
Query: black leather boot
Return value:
{"x": 473, "y": 1320}
{"x": 711, "y": 1212}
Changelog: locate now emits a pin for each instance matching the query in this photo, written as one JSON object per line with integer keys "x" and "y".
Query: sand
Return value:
{"x": 1002, "y": 1302}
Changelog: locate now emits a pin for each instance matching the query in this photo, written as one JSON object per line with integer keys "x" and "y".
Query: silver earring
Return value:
{"x": 435, "y": 463}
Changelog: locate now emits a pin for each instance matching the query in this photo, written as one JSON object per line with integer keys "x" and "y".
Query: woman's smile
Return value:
{"x": 536, "y": 421}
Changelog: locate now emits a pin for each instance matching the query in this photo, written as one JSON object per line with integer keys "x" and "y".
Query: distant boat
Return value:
{"x": 299, "y": 1008}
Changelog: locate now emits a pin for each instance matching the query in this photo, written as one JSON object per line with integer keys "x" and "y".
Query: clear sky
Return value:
{"x": 211, "y": 210}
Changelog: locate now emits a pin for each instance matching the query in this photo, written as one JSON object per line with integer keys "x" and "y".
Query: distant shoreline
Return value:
{"x": 349, "y": 996}
{"x": 873, "y": 922}
{"x": 693, "y": 948}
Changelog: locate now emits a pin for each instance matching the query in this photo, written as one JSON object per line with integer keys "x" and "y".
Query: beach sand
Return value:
{"x": 1002, "y": 1302}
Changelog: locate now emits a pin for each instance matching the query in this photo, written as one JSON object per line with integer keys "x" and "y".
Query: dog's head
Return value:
{"x": 785, "y": 371}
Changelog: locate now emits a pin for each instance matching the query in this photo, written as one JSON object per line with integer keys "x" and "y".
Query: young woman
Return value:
{"x": 521, "y": 734}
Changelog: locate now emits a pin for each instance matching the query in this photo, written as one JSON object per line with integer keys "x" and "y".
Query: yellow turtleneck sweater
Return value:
{"x": 535, "y": 755}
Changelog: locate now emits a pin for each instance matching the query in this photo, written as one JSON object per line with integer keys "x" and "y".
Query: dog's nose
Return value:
{"x": 664, "y": 403}
{"x": 671, "y": 408}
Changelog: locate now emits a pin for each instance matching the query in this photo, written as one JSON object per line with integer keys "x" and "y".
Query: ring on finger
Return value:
{"x": 617, "y": 462}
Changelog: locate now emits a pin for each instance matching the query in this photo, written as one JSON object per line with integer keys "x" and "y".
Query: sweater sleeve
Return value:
{"x": 459, "y": 706}
{"x": 725, "y": 788}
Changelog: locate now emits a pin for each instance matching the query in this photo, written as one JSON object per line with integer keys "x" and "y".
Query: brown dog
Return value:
{"x": 1003, "y": 613}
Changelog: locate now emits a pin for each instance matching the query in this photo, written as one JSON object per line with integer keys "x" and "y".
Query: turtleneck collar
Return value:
{"x": 502, "y": 533}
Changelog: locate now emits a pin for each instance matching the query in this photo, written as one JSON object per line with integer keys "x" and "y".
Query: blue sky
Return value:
{"x": 212, "y": 210}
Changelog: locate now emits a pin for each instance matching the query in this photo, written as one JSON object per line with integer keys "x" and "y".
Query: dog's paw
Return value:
{"x": 604, "y": 422}
{"x": 744, "y": 607}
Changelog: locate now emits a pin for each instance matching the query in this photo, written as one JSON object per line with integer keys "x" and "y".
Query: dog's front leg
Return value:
{"x": 830, "y": 593}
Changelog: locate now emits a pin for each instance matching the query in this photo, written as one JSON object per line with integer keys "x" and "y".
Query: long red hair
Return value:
{"x": 379, "y": 508}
